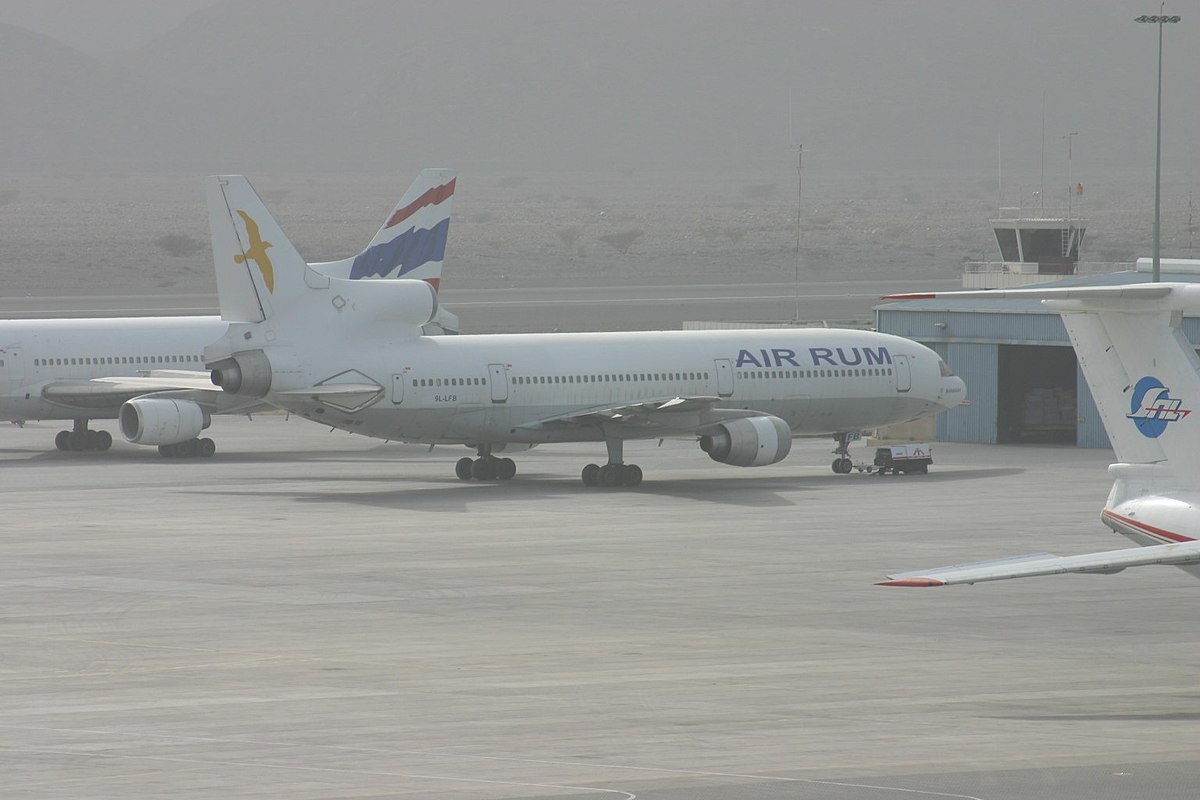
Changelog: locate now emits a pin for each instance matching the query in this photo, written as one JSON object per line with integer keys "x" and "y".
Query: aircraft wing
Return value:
{"x": 674, "y": 414}
{"x": 109, "y": 392}
{"x": 1141, "y": 291}
{"x": 106, "y": 393}
{"x": 1035, "y": 564}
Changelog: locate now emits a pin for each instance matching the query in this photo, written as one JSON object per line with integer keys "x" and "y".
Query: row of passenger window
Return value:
{"x": 524, "y": 380}
{"x": 97, "y": 360}
{"x": 449, "y": 382}
{"x": 635, "y": 377}
{"x": 755, "y": 374}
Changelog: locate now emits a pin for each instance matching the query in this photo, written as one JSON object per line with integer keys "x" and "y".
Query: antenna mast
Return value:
{"x": 799, "y": 148}
{"x": 1042, "y": 185}
{"x": 799, "y": 188}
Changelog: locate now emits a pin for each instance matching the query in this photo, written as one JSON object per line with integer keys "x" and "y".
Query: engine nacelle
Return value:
{"x": 152, "y": 420}
{"x": 749, "y": 442}
{"x": 246, "y": 373}
{"x": 403, "y": 300}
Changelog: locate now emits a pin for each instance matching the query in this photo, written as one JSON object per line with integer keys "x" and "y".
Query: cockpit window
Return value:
{"x": 945, "y": 370}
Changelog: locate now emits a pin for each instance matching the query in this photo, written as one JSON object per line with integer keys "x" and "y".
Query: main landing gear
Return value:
{"x": 616, "y": 472}
{"x": 486, "y": 467}
{"x": 192, "y": 448}
{"x": 842, "y": 465}
{"x": 82, "y": 438}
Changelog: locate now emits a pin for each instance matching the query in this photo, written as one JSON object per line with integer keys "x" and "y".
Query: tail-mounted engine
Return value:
{"x": 749, "y": 442}
{"x": 410, "y": 302}
{"x": 246, "y": 373}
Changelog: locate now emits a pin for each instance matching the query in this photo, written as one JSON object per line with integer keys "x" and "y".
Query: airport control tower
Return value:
{"x": 1032, "y": 250}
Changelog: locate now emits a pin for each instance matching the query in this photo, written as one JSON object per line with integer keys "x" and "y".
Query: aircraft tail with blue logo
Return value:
{"x": 248, "y": 245}
{"x": 1144, "y": 376}
{"x": 1143, "y": 373}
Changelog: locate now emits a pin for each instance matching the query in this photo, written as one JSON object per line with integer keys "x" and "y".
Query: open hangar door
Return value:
{"x": 1037, "y": 395}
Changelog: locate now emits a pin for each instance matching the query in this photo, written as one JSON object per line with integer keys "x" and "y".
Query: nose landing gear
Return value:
{"x": 842, "y": 465}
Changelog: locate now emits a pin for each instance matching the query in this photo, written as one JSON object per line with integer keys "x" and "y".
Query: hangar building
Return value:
{"x": 1022, "y": 377}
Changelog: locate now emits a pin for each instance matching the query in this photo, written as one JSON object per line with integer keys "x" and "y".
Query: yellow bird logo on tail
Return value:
{"x": 257, "y": 252}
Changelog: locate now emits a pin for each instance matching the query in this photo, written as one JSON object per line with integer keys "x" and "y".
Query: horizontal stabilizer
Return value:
{"x": 1036, "y": 564}
{"x": 346, "y": 396}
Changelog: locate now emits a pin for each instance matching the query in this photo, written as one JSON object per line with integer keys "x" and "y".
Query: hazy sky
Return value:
{"x": 302, "y": 85}
{"x": 99, "y": 26}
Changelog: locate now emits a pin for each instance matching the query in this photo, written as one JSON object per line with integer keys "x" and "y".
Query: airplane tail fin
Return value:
{"x": 257, "y": 267}
{"x": 1145, "y": 379}
{"x": 412, "y": 241}
{"x": 1143, "y": 373}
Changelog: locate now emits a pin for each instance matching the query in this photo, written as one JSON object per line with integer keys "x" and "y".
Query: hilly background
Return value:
{"x": 570, "y": 121}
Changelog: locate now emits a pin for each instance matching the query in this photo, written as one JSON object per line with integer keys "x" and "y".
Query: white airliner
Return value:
{"x": 148, "y": 372}
{"x": 1145, "y": 379}
{"x": 353, "y": 357}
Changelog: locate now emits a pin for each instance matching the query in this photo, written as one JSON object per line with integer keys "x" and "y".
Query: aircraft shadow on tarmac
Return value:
{"x": 454, "y": 496}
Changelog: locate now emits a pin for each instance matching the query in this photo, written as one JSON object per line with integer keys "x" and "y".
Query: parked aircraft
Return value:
{"x": 148, "y": 371}
{"x": 353, "y": 357}
{"x": 1145, "y": 378}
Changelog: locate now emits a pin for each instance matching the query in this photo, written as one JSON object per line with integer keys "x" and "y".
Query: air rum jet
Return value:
{"x": 352, "y": 356}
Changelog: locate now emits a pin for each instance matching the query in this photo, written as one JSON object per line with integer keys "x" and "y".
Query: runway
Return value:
{"x": 315, "y": 615}
{"x": 559, "y": 308}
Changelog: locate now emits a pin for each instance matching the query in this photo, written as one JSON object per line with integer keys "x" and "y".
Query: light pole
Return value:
{"x": 1158, "y": 20}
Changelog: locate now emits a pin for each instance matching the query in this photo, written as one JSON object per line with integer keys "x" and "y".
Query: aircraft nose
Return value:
{"x": 953, "y": 392}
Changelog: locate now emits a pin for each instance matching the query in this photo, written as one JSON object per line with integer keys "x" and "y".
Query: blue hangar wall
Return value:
{"x": 1004, "y": 350}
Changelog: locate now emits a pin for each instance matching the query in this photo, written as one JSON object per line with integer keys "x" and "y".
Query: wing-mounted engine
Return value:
{"x": 156, "y": 420}
{"x": 748, "y": 442}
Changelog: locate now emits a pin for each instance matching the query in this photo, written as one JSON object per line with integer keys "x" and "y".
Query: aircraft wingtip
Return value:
{"x": 912, "y": 582}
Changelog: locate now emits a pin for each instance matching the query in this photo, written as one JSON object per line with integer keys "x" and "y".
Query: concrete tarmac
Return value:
{"x": 316, "y": 615}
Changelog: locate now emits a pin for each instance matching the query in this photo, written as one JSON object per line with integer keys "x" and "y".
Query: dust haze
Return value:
{"x": 572, "y": 122}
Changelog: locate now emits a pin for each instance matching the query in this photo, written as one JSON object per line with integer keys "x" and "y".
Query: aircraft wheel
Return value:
{"x": 483, "y": 469}
{"x": 206, "y": 447}
{"x": 77, "y": 441}
{"x": 506, "y": 468}
{"x": 844, "y": 466}
{"x": 62, "y": 440}
{"x": 591, "y": 475}
{"x": 632, "y": 476}
{"x": 610, "y": 474}
{"x": 103, "y": 440}
{"x": 462, "y": 468}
